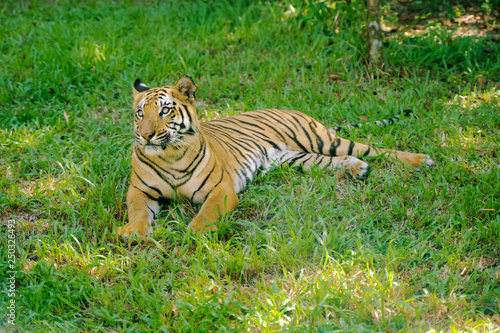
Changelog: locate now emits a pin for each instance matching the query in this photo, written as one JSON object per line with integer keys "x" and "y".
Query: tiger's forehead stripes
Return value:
{"x": 164, "y": 100}
{"x": 159, "y": 96}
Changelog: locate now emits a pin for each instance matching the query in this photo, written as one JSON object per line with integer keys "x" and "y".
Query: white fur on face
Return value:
{"x": 141, "y": 103}
{"x": 153, "y": 150}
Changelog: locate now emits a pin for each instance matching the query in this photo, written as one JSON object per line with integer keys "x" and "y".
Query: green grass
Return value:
{"x": 404, "y": 251}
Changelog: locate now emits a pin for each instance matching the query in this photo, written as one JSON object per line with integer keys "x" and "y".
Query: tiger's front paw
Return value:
{"x": 201, "y": 225}
{"x": 140, "y": 228}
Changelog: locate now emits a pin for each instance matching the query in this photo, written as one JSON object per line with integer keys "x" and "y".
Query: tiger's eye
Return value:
{"x": 139, "y": 114}
{"x": 165, "y": 111}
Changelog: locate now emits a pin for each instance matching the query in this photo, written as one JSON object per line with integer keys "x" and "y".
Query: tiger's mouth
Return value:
{"x": 163, "y": 144}
{"x": 157, "y": 146}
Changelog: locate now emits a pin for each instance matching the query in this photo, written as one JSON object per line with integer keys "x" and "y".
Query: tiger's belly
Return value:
{"x": 244, "y": 171}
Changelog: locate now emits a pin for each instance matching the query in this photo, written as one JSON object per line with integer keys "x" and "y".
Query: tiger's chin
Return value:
{"x": 153, "y": 150}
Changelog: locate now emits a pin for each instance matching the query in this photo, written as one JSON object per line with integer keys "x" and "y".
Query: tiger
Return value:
{"x": 175, "y": 155}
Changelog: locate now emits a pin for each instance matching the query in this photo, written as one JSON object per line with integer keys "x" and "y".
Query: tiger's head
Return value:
{"x": 165, "y": 118}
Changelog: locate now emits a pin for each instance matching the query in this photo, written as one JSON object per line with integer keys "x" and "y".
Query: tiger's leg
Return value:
{"x": 221, "y": 200}
{"x": 142, "y": 210}
{"x": 357, "y": 168}
{"x": 339, "y": 147}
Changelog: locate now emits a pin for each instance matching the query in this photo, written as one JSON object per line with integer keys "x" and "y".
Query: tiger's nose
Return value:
{"x": 148, "y": 136}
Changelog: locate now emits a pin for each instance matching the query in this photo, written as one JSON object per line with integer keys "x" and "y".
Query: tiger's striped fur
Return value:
{"x": 175, "y": 155}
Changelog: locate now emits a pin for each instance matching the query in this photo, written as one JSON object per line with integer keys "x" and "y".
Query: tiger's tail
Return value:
{"x": 381, "y": 123}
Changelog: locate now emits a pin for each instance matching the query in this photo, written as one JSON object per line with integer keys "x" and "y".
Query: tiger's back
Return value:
{"x": 252, "y": 142}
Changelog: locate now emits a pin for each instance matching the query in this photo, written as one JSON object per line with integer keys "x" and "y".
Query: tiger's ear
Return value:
{"x": 139, "y": 87}
{"x": 186, "y": 87}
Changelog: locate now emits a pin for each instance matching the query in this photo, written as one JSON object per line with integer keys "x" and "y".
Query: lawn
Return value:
{"x": 404, "y": 251}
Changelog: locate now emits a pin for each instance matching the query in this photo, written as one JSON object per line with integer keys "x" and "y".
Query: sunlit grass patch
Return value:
{"x": 100, "y": 263}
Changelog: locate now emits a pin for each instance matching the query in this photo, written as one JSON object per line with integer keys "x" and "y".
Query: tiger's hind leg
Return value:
{"x": 357, "y": 168}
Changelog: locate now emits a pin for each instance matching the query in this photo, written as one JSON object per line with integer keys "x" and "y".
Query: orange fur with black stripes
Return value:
{"x": 175, "y": 155}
